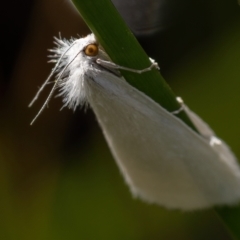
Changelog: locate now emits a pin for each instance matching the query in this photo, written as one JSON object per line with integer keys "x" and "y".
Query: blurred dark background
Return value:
{"x": 58, "y": 179}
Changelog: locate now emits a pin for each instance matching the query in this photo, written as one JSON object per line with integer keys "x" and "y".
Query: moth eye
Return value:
{"x": 91, "y": 50}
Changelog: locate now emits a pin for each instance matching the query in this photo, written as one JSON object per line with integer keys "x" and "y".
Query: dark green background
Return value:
{"x": 58, "y": 179}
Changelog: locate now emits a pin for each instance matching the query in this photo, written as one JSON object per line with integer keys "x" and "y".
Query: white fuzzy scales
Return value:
{"x": 71, "y": 83}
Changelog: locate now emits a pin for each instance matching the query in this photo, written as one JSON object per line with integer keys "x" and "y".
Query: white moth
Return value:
{"x": 162, "y": 160}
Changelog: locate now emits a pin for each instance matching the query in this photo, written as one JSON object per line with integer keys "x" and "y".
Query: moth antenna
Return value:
{"x": 53, "y": 88}
{"x": 49, "y": 77}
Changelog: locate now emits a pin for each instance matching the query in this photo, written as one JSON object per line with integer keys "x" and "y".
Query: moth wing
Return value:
{"x": 162, "y": 160}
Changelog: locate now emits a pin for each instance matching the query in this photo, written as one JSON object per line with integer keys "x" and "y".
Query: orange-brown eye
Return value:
{"x": 91, "y": 50}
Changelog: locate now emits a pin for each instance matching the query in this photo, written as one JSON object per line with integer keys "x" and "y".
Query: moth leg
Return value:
{"x": 199, "y": 124}
{"x": 154, "y": 63}
{"x": 182, "y": 106}
{"x": 214, "y": 141}
{"x": 110, "y": 65}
